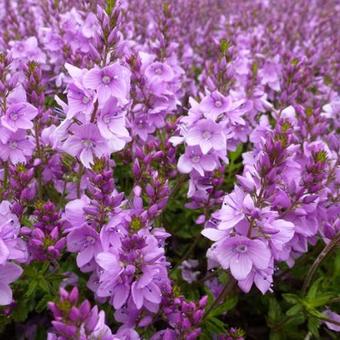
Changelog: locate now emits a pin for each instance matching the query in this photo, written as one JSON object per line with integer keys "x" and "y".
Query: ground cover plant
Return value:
{"x": 169, "y": 169}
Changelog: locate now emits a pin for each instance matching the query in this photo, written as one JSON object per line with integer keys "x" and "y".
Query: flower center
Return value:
{"x": 13, "y": 145}
{"x": 107, "y": 119}
{"x": 158, "y": 70}
{"x": 218, "y": 103}
{"x": 196, "y": 159}
{"x": 106, "y": 79}
{"x": 90, "y": 239}
{"x": 206, "y": 134}
{"x": 242, "y": 248}
{"x": 88, "y": 143}
{"x": 85, "y": 100}
{"x": 14, "y": 116}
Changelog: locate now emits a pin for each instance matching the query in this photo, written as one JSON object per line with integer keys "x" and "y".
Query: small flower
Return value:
{"x": 19, "y": 116}
{"x": 241, "y": 254}
{"x": 79, "y": 101}
{"x": 195, "y": 159}
{"x": 85, "y": 143}
{"x": 214, "y": 104}
{"x": 9, "y": 272}
{"x": 158, "y": 72}
{"x": 112, "y": 125}
{"x": 16, "y": 147}
{"x": 208, "y": 135}
{"x": 112, "y": 80}
{"x": 85, "y": 241}
{"x": 334, "y": 317}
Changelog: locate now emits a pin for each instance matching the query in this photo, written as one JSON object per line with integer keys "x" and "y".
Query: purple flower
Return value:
{"x": 263, "y": 280}
{"x": 231, "y": 212}
{"x": 241, "y": 254}
{"x": 79, "y": 101}
{"x": 27, "y": 49}
{"x": 74, "y": 212}
{"x": 112, "y": 80}
{"x": 208, "y": 135}
{"x": 158, "y": 72}
{"x": 142, "y": 126}
{"x": 86, "y": 143}
{"x": 84, "y": 241}
{"x": 9, "y": 230}
{"x": 214, "y": 104}
{"x": 19, "y": 116}
{"x": 112, "y": 125}
{"x": 334, "y": 317}
{"x": 9, "y": 272}
{"x": 194, "y": 159}
{"x": 16, "y": 147}
{"x": 271, "y": 75}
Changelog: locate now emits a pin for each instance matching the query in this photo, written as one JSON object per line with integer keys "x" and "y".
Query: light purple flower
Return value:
{"x": 214, "y": 104}
{"x": 231, "y": 212}
{"x": 263, "y": 280}
{"x": 158, "y": 72}
{"x": 194, "y": 159}
{"x": 84, "y": 241}
{"x": 19, "y": 116}
{"x": 16, "y": 147}
{"x": 9, "y": 230}
{"x": 271, "y": 75}
{"x": 79, "y": 101}
{"x": 207, "y": 134}
{"x": 90, "y": 26}
{"x": 27, "y": 49}
{"x": 74, "y": 212}
{"x": 9, "y": 272}
{"x": 333, "y": 316}
{"x": 86, "y": 143}
{"x": 112, "y": 80}
{"x": 143, "y": 293}
{"x": 112, "y": 125}
{"x": 241, "y": 254}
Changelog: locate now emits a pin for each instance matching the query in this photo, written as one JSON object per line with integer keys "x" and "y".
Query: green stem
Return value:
{"x": 329, "y": 247}
{"x": 221, "y": 297}
{"x": 188, "y": 251}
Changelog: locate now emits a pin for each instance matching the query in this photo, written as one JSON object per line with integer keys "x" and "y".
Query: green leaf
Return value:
{"x": 274, "y": 312}
{"x": 313, "y": 326}
{"x": 226, "y": 306}
{"x": 276, "y": 336}
{"x": 21, "y": 310}
{"x": 215, "y": 326}
{"x": 43, "y": 284}
{"x": 31, "y": 288}
{"x": 295, "y": 320}
{"x": 294, "y": 310}
{"x": 313, "y": 291}
{"x": 291, "y": 298}
{"x": 321, "y": 300}
{"x": 316, "y": 313}
{"x": 211, "y": 297}
{"x": 234, "y": 155}
{"x": 42, "y": 304}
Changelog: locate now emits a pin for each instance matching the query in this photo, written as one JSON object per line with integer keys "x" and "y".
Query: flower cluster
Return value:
{"x": 12, "y": 249}
{"x": 163, "y": 158}
{"x": 76, "y": 319}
